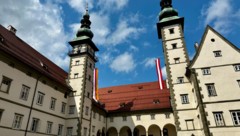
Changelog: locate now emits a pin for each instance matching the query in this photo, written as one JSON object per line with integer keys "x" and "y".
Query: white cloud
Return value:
{"x": 133, "y": 48}
{"x": 40, "y": 25}
{"x": 220, "y": 14}
{"x": 149, "y": 62}
{"x": 123, "y": 63}
{"x": 80, "y": 5}
{"x": 112, "y": 4}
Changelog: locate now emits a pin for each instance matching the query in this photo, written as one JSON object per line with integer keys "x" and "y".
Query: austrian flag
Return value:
{"x": 159, "y": 73}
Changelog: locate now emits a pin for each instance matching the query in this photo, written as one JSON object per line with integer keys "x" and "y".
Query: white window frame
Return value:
{"x": 53, "y": 103}
{"x": 184, "y": 98}
{"x": 171, "y": 31}
{"x": 24, "y": 92}
{"x": 69, "y": 131}
{"x": 40, "y": 98}
{"x": 236, "y": 117}
{"x": 237, "y": 67}
{"x": 138, "y": 117}
{"x": 17, "y": 121}
{"x": 71, "y": 109}
{"x": 34, "y": 126}
{"x": 211, "y": 90}
{"x": 180, "y": 80}
{"x": 218, "y": 116}
{"x": 49, "y": 127}
{"x": 206, "y": 71}
{"x": 5, "y": 84}
{"x": 217, "y": 53}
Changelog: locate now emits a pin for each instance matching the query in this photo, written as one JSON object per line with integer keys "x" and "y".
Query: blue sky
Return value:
{"x": 124, "y": 30}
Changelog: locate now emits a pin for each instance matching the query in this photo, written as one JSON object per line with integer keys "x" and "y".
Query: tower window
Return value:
{"x": 174, "y": 46}
{"x": 184, "y": 98}
{"x": 76, "y": 75}
{"x": 206, "y": 71}
{"x": 211, "y": 90}
{"x": 180, "y": 80}
{"x": 217, "y": 53}
{"x": 171, "y": 31}
{"x": 77, "y": 62}
{"x": 177, "y": 60}
{"x": 237, "y": 67}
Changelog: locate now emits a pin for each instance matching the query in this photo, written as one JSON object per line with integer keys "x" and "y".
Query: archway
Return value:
{"x": 154, "y": 130}
{"x": 169, "y": 130}
{"x": 139, "y": 131}
{"x": 112, "y": 132}
{"x": 125, "y": 131}
{"x": 99, "y": 133}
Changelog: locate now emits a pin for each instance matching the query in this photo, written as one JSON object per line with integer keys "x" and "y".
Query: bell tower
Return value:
{"x": 82, "y": 64}
{"x": 183, "y": 100}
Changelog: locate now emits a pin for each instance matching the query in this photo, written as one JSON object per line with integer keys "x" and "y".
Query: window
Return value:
{"x": 86, "y": 110}
{"x": 93, "y": 128}
{"x": 238, "y": 81}
{"x": 63, "y": 107}
{"x": 124, "y": 118}
{"x": 94, "y": 115}
{"x": 218, "y": 116}
{"x": 40, "y": 98}
{"x": 180, "y": 80}
{"x": 236, "y": 117}
{"x": 138, "y": 117}
{"x": 217, "y": 53}
{"x": 71, "y": 109}
{"x": 88, "y": 95}
{"x": 60, "y": 128}
{"x": 24, "y": 92}
{"x": 177, "y": 60}
{"x": 17, "y": 121}
{"x": 77, "y": 62}
{"x": 190, "y": 125}
{"x": 1, "y": 113}
{"x": 152, "y": 116}
{"x": 184, "y": 98}
{"x": 5, "y": 85}
{"x": 53, "y": 103}
{"x": 89, "y": 77}
{"x": 85, "y": 132}
{"x": 49, "y": 127}
{"x": 206, "y": 71}
{"x": 72, "y": 94}
{"x": 34, "y": 126}
{"x": 156, "y": 101}
{"x": 171, "y": 31}
{"x": 111, "y": 119}
{"x": 174, "y": 46}
{"x": 69, "y": 131}
{"x": 237, "y": 67}
{"x": 76, "y": 75}
{"x": 211, "y": 90}
{"x": 167, "y": 115}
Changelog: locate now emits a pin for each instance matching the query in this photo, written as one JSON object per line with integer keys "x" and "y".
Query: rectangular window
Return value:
{"x": 89, "y": 77}
{"x": 217, "y": 53}
{"x": 69, "y": 131}
{"x": 63, "y": 107}
{"x": 174, "y": 46}
{"x": 238, "y": 81}
{"x": 85, "y": 132}
{"x": 111, "y": 119}
{"x": 138, "y": 117}
{"x": 152, "y": 116}
{"x": 49, "y": 127}
{"x": 71, "y": 109}
{"x": 60, "y": 129}
{"x": 218, "y": 116}
{"x": 76, "y": 75}
{"x": 53, "y": 103}
{"x": 24, "y": 92}
{"x": 184, "y": 98}
{"x": 17, "y": 121}
{"x": 77, "y": 62}
{"x": 40, "y": 98}
{"x": 236, "y": 117}
{"x": 93, "y": 128}
{"x": 211, "y": 90}
{"x": 180, "y": 80}
{"x": 177, "y": 60}
{"x": 206, "y": 71}
{"x": 124, "y": 118}
{"x": 5, "y": 84}
{"x": 237, "y": 67}
{"x": 86, "y": 110}
{"x": 171, "y": 31}
{"x": 34, "y": 126}
{"x": 167, "y": 115}
{"x": 190, "y": 125}
{"x": 1, "y": 113}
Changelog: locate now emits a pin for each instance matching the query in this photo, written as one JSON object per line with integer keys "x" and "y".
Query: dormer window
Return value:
{"x": 217, "y": 53}
{"x": 171, "y": 31}
{"x": 156, "y": 101}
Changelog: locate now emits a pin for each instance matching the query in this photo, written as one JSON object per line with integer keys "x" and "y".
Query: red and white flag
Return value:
{"x": 159, "y": 73}
{"x": 95, "y": 84}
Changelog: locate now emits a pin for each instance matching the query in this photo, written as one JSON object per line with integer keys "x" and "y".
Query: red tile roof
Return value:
{"x": 134, "y": 97}
{"x": 20, "y": 50}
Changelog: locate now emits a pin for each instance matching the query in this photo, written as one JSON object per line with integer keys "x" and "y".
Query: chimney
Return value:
{"x": 12, "y": 29}
{"x": 196, "y": 46}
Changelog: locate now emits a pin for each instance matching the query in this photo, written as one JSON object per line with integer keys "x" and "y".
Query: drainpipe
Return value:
{"x": 30, "y": 112}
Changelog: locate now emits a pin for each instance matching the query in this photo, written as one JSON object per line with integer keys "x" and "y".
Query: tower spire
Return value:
{"x": 166, "y": 3}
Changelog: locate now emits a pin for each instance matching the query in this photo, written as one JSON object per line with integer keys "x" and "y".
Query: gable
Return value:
{"x": 211, "y": 43}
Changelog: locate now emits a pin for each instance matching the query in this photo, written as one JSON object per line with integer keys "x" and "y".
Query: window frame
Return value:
{"x": 206, "y": 71}
{"x": 124, "y": 118}
{"x": 211, "y": 93}
{"x": 171, "y": 30}
{"x": 63, "y": 107}
{"x": 1, "y": 113}
{"x": 17, "y": 121}
{"x": 69, "y": 131}
{"x": 237, "y": 67}
{"x": 176, "y": 60}
{"x": 218, "y": 117}
{"x": 180, "y": 80}
{"x": 184, "y": 98}
{"x": 238, "y": 81}
{"x": 138, "y": 117}
{"x": 6, "y": 81}
{"x": 49, "y": 127}
{"x": 53, "y": 103}
{"x": 71, "y": 109}
{"x": 87, "y": 110}
{"x": 237, "y": 117}
{"x": 76, "y": 75}
{"x": 34, "y": 125}
{"x": 77, "y": 62}
{"x": 24, "y": 92}
{"x": 217, "y": 53}
{"x": 152, "y": 116}
{"x": 174, "y": 46}
{"x": 84, "y": 131}
{"x": 60, "y": 129}
{"x": 93, "y": 128}
{"x": 111, "y": 119}
{"x": 40, "y": 98}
